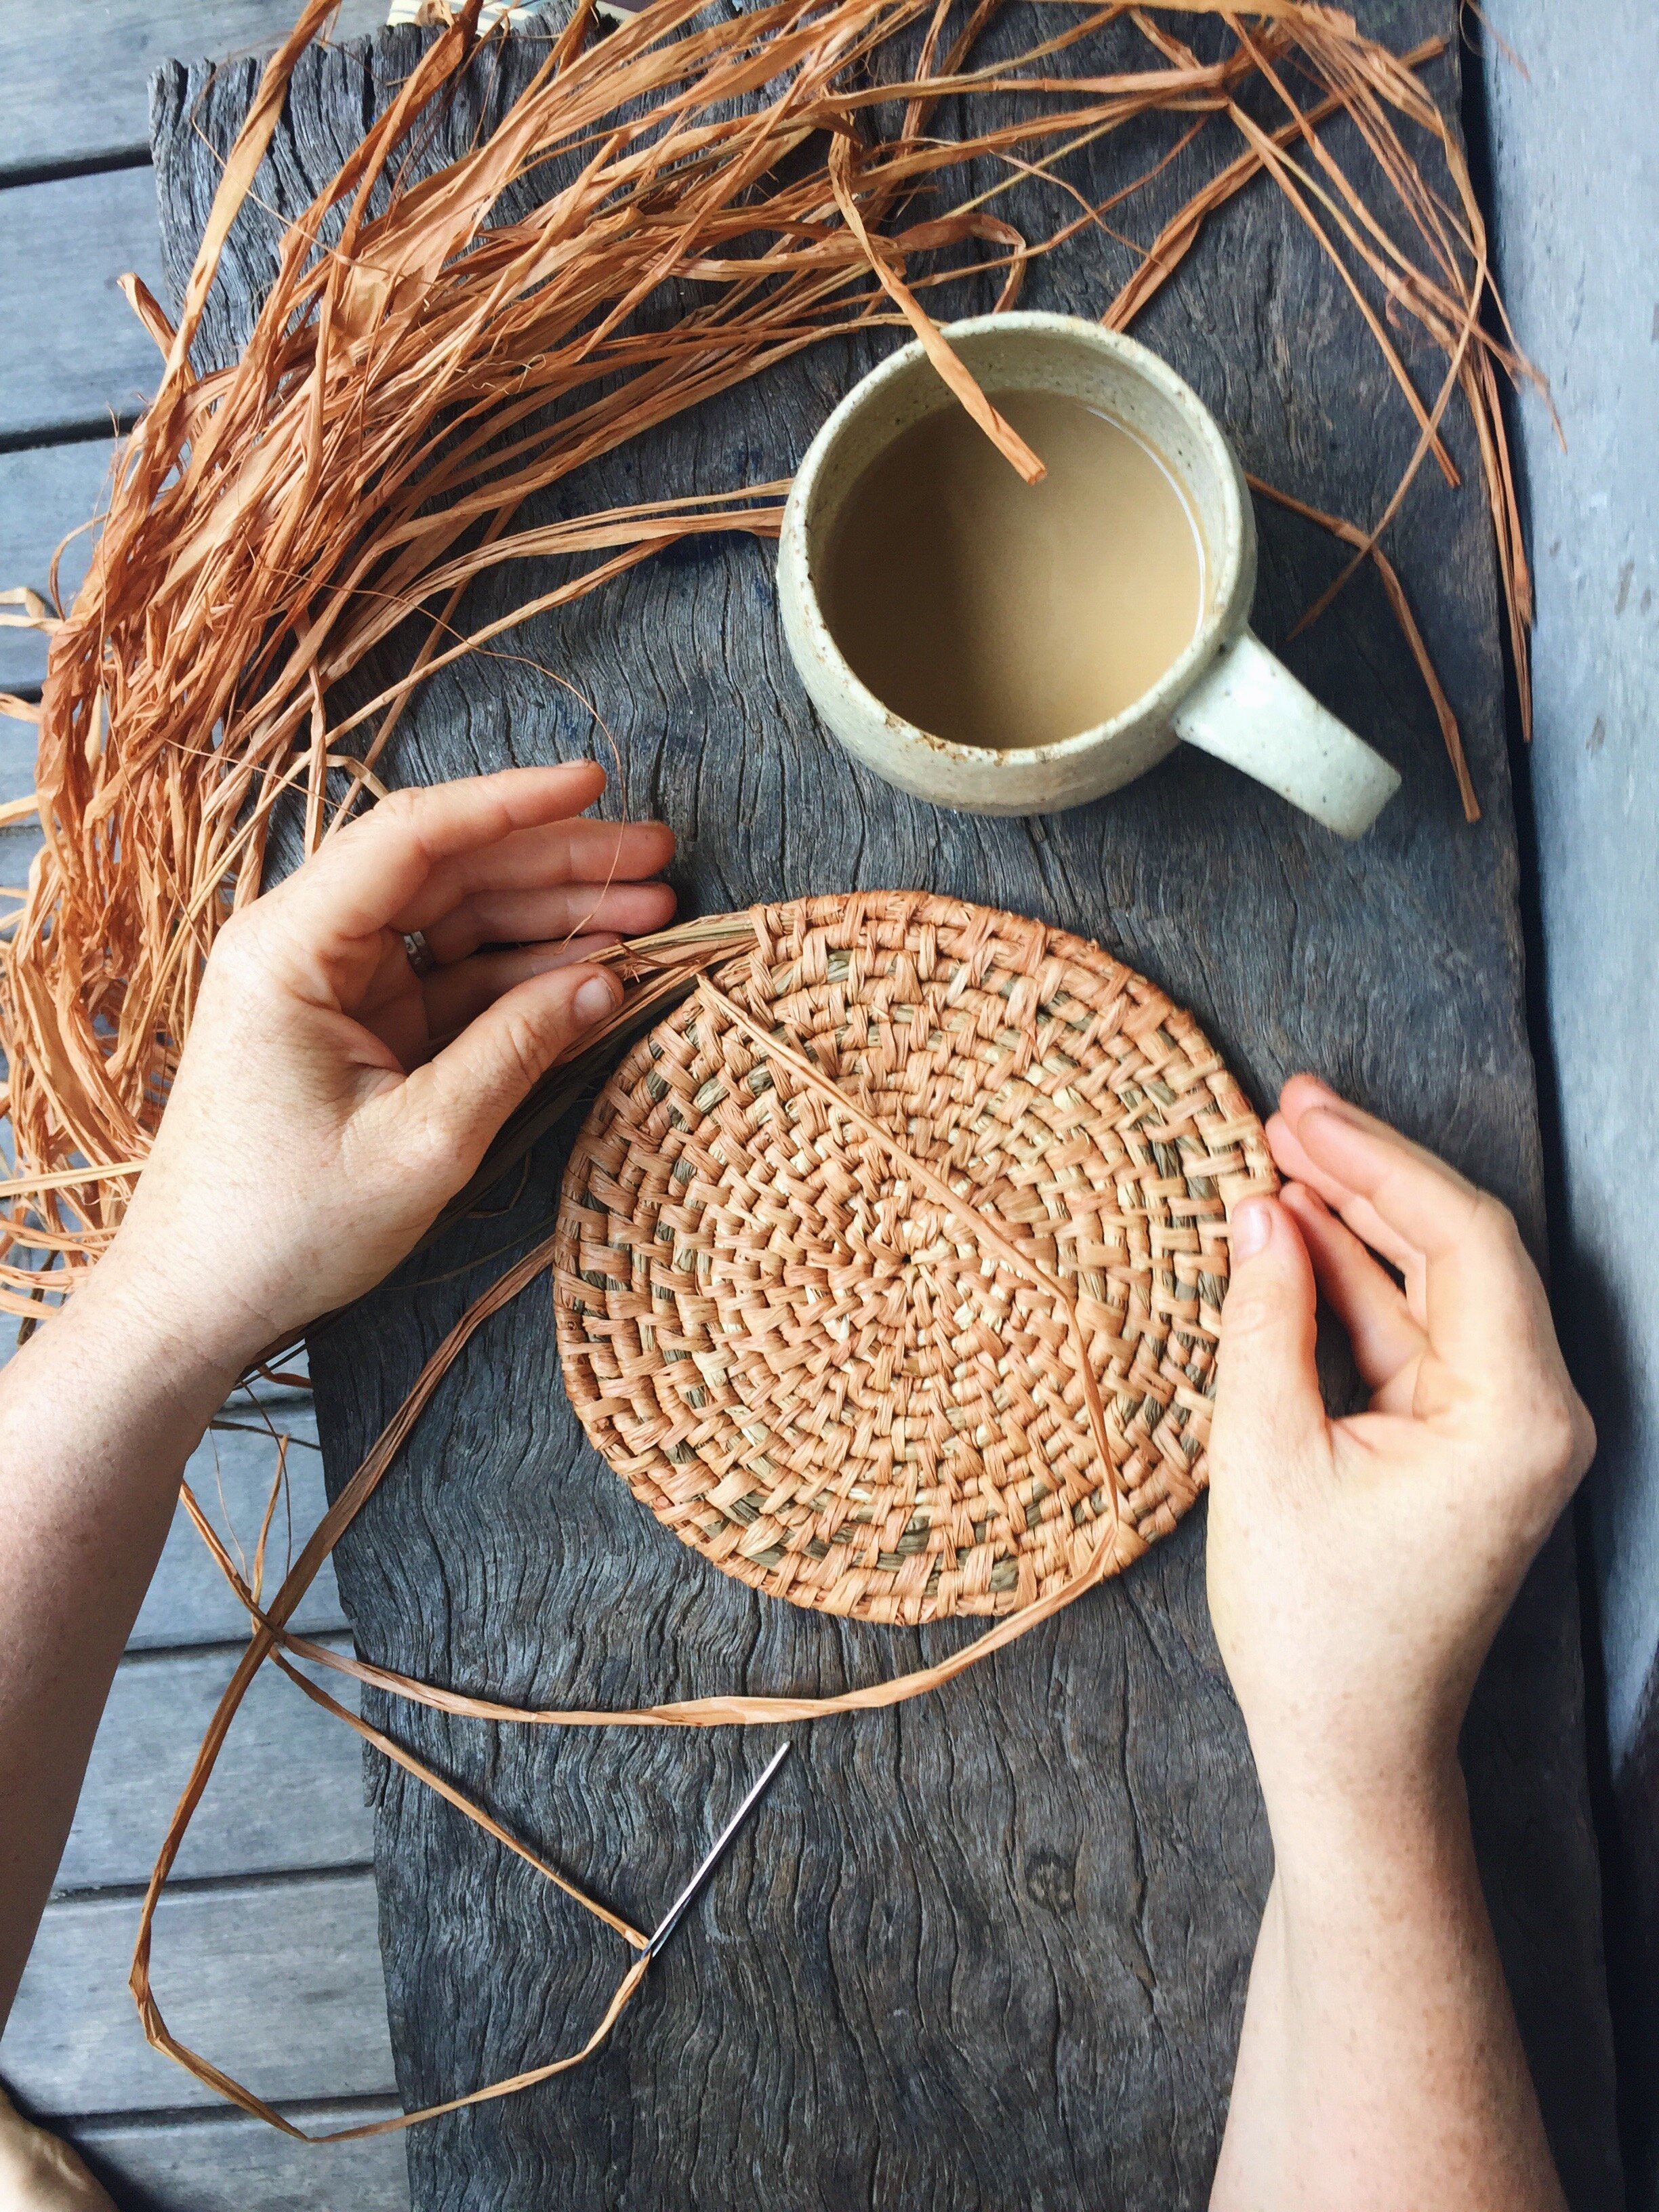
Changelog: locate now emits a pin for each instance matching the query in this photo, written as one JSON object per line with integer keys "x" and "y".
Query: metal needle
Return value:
{"x": 671, "y": 1919}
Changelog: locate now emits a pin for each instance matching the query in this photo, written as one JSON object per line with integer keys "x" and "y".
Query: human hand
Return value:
{"x": 329, "y": 1101}
{"x": 1359, "y": 1568}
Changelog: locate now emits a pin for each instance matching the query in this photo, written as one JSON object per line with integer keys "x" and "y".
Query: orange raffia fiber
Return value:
{"x": 269, "y": 525}
{"x": 1087, "y": 1086}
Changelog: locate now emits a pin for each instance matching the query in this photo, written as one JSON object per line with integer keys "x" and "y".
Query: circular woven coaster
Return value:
{"x": 820, "y": 1376}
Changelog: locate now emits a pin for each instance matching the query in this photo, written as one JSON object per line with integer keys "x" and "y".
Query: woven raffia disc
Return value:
{"x": 811, "y": 1370}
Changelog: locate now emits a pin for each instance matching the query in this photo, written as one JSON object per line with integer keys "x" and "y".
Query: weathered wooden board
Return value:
{"x": 287, "y": 1793}
{"x": 74, "y": 353}
{"x": 45, "y": 492}
{"x": 189, "y": 1600}
{"x": 265, "y": 1977}
{"x": 73, "y": 78}
{"x": 991, "y": 1949}
{"x": 221, "y": 2162}
{"x": 16, "y": 776}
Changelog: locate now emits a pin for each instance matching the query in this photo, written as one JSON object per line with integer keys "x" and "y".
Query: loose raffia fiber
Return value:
{"x": 893, "y": 1383}
{"x": 1087, "y": 1268}
{"x": 422, "y": 365}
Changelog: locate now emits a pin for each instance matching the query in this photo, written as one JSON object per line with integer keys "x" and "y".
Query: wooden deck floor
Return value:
{"x": 267, "y": 1954}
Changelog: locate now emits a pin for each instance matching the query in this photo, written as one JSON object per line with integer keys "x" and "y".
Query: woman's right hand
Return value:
{"x": 1358, "y": 1568}
{"x": 330, "y": 1100}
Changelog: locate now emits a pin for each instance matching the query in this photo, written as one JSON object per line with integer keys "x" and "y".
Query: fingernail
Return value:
{"x": 1251, "y": 1225}
{"x": 1329, "y": 1101}
{"x": 1337, "y": 1109}
{"x": 1298, "y": 1194}
{"x": 595, "y": 998}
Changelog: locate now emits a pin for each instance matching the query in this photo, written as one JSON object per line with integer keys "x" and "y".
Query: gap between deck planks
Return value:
{"x": 73, "y": 81}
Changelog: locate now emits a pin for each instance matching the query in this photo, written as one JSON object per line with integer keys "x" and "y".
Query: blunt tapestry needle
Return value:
{"x": 671, "y": 1919}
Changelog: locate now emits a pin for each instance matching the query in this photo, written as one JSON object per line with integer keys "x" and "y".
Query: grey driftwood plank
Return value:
{"x": 73, "y": 81}
{"x": 230, "y": 1472}
{"x": 287, "y": 1792}
{"x": 278, "y": 1981}
{"x": 991, "y": 1949}
{"x": 223, "y": 2162}
{"x": 74, "y": 353}
{"x": 16, "y": 777}
{"x": 45, "y": 492}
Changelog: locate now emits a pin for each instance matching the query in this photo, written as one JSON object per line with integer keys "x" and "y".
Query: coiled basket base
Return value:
{"x": 819, "y": 1375}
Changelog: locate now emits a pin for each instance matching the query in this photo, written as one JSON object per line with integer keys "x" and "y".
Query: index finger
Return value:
{"x": 361, "y": 879}
{"x": 1482, "y": 1295}
{"x": 1417, "y": 1197}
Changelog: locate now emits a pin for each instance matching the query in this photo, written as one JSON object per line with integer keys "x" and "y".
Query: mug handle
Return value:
{"x": 1248, "y": 709}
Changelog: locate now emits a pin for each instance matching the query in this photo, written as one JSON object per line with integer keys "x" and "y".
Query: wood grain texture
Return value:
{"x": 74, "y": 353}
{"x": 74, "y": 78}
{"x": 992, "y": 1949}
{"x": 73, "y": 2044}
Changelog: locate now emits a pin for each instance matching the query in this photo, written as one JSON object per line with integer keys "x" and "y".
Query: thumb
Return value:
{"x": 464, "y": 1093}
{"x": 1266, "y": 1400}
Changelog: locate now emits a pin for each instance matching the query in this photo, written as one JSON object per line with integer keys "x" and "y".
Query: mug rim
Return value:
{"x": 1229, "y": 609}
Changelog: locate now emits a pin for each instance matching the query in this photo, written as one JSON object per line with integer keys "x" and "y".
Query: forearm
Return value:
{"x": 1380, "y": 2065}
{"x": 328, "y": 1102}
{"x": 98, "y": 1413}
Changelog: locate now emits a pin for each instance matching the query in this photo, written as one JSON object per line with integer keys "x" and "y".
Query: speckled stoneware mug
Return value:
{"x": 1226, "y": 693}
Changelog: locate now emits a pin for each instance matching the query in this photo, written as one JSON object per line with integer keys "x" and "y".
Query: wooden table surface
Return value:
{"x": 989, "y": 1949}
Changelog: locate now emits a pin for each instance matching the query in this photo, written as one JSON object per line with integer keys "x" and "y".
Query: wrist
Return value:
{"x": 1328, "y": 1841}
{"x": 146, "y": 1318}
{"x": 1349, "y": 1753}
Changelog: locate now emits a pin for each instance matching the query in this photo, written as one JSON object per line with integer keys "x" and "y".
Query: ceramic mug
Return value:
{"x": 1226, "y": 693}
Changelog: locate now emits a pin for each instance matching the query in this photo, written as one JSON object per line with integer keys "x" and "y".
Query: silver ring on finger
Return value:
{"x": 421, "y": 959}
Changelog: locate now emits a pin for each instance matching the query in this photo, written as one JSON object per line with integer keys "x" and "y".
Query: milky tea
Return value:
{"x": 995, "y": 612}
